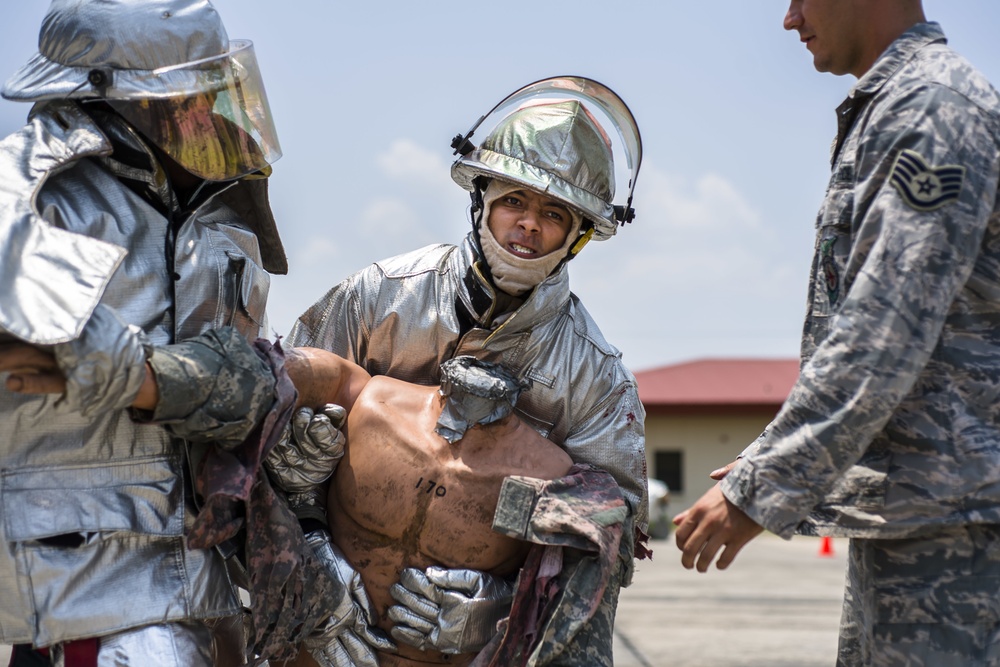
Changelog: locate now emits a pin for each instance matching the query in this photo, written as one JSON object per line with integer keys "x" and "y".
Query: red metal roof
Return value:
{"x": 718, "y": 382}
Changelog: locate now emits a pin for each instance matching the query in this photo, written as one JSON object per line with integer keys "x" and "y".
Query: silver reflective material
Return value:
{"x": 132, "y": 40}
{"x": 115, "y": 484}
{"x": 559, "y": 148}
{"x": 349, "y": 637}
{"x": 52, "y": 278}
{"x": 475, "y": 392}
{"x": 169, "y": 67}
{"x": 449, "y": 610}
{"x": 309, "y": 449}
{"x": 105, "y": 366}
{"x": 165, "y": 645}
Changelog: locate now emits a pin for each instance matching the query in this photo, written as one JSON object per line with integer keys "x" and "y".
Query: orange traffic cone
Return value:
{"x": 826, "y": 547}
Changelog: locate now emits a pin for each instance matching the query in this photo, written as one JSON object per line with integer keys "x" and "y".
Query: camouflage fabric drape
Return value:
{"x": 288, "y": 588}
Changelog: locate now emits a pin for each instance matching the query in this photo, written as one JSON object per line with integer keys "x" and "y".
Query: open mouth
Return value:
{"x": 520, "y": 250}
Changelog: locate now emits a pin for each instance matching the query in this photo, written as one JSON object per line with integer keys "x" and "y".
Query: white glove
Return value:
{"x": 453, "y": 611}
{"x": 105, "y": 366}
{"x": 309, "y": 450}
{"x": 349, "y": 638}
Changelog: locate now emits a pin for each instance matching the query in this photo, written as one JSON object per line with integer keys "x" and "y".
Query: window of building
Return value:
{"x": 669, "y": 467}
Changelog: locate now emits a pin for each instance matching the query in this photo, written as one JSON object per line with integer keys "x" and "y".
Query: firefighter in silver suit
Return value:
{"x": 133, "y": 214}
{"x": 542, "y": 186}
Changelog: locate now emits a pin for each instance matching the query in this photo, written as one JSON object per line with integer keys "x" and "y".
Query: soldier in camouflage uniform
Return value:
{"x": 891, "y": 435}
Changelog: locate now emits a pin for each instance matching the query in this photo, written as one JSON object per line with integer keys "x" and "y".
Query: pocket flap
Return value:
{"x": 254, "y": 284}
{"x": 144, "y": 496}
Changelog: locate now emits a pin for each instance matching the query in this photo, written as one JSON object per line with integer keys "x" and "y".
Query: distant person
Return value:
{"x": 542, "y": 186}
{"x": 891, "y": 436}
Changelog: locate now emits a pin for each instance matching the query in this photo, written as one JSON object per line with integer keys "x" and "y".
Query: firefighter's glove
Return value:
{"x": 453, "y": 611}
{"x": 349, "y": 637}
{"x": 105, "y": 366}
{"x": 309, "y": 450}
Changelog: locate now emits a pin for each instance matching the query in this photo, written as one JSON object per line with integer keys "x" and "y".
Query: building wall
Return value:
{"x": 706, "y": 442}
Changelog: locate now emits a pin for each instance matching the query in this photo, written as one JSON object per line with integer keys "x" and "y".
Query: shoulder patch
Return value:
{"x": 922, "y": 186}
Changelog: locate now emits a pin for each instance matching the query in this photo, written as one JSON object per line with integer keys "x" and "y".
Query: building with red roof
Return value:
{"x": 701, "y": 414}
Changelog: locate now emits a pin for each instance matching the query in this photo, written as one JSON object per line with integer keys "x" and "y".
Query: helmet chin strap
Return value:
{"x": 582, "y": 241}
{"x": 476, "y": 212}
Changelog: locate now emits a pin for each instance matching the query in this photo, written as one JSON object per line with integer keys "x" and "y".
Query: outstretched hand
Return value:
{"x": 711, "y": 524}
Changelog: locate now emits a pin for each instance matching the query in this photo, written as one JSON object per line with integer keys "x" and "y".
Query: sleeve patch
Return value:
{"x": 923, "y": 187}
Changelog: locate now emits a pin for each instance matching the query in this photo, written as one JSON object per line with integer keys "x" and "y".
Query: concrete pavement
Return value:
{"x": 778, "y": 605}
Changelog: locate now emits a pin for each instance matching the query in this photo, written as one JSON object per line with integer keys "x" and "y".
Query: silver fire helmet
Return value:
{"x": 169, "y": 68}
{"x": 559, "y": 148}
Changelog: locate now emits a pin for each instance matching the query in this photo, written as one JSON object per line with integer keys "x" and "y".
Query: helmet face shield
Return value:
{"x": 211, "y": 116}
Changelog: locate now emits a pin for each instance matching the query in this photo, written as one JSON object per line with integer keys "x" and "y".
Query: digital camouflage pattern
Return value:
{"x": 891, "y": 435}
{"x": 927, "y": 602}
{"x": 213, "y": 388}
{"x": 892, "y": 429}
{"x": 567, "y": 590}
{"x": 210, "y": 382}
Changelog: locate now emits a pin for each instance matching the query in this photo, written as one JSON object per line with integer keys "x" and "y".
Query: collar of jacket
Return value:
{"x": 135, "y": 164}
{"x": 132, "y": 161}
{"x": 899, "y": 52}
{"x": 477, "y": 297}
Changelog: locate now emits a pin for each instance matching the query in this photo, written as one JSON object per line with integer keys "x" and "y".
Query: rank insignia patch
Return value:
{"x": 922, "y": 186}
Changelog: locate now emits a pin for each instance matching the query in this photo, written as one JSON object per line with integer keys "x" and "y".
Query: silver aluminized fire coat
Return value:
{"x": 117, "y": 484}
{"x": 52, "y": 279}
{"x": 398, "y": 318}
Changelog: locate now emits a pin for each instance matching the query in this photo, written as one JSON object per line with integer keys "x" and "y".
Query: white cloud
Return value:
{"x": 388, "y": 217}
{"x": 709, "y": 202}
{"x": 318, "y": 251}
{"x": 409, "y": 163}
{"x": 424, "y": 204}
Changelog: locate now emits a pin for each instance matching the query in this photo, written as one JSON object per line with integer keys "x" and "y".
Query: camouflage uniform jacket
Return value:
{"x": 892, "y": 428}
{"x": 575, "y": 525}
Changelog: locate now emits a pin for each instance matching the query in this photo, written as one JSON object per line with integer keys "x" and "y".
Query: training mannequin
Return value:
{"x": 404, "y": 496}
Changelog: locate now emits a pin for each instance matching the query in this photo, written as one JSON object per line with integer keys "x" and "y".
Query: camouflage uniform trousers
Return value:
{"x": 932, "y": 601}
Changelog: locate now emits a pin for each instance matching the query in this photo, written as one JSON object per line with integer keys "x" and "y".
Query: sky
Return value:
{"x": 736, "y": 127}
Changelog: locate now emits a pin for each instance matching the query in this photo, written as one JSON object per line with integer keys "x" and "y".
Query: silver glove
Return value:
{"x": 309, "y": 450}
{"x": 453, "y": 611}
{"x": 348, "y": 638}
{"x": 105, "y": 366}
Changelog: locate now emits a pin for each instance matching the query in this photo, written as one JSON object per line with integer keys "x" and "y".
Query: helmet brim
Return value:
{"x": 43, "y": 79}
